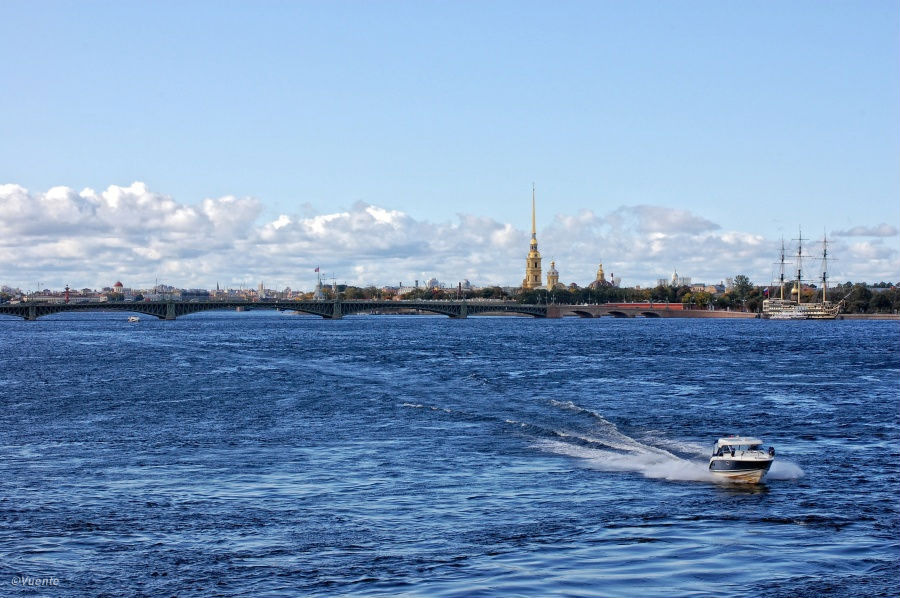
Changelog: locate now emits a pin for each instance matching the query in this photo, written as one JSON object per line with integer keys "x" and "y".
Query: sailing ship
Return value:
{"x": 792, "y": 308}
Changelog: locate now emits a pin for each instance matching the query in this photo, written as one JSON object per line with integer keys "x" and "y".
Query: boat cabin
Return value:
{"x": 743, "y": 443}
{"x": 732, "y": 444}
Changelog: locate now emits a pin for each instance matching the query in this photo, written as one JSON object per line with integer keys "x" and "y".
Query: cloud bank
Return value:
{"x": 136, "y": 235}
{"x": 882, "y": 230}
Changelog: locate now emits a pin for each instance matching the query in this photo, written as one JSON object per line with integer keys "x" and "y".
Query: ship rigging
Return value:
{"x": 794, "y": 308}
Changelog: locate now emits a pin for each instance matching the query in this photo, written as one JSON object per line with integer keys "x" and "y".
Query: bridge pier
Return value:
{"x": 463, "y": 312}
{"x": 553, "y": 312}
{"x": 32, "y": 314}
{"x": 170, "y": 310}
{"x": 336, "y": 311}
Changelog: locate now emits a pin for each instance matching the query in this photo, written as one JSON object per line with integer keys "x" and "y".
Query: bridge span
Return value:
{"x": 335, "y": 310}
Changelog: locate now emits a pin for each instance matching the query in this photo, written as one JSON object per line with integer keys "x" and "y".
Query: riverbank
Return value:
{"x": 868, "y": 317}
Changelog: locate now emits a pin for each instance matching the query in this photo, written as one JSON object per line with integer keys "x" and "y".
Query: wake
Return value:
{"x": 622, "y": 453}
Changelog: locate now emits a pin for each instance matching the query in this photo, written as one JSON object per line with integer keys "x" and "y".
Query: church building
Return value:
{"x": 533, "y": 261}
{"x": 552, "y": 277}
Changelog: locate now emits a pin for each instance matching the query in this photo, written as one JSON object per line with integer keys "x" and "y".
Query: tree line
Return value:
{"x": 743, "y": 295}
{"x": 861, "y": 298}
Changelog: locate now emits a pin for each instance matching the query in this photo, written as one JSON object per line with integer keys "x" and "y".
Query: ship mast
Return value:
{"x": 781, "y": 270}
{"x": 824, "y": 268}
{"x": 799, "y": 264}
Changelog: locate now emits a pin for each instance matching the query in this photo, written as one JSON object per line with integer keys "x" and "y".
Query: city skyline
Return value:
{"x": 235, "y": 144}
{"x": 130, "y": 229}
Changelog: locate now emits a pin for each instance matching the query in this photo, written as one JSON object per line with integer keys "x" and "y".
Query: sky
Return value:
{"x": 198, "y": 143}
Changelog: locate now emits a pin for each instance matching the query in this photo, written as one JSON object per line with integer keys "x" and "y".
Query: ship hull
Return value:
{"x": 775, "y": 309}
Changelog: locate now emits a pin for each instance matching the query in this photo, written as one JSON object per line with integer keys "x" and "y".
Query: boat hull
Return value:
{"x": 737, "y": 470}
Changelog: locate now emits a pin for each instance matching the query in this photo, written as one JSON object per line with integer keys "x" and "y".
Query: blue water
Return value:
{"x": 270, "y": 454}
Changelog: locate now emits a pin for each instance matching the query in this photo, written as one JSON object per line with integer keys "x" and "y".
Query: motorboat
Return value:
{"x": 133, "y": 319}
{"x": 741, "y": 459}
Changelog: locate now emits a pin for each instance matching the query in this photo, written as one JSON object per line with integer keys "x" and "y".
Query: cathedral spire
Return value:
{"x": 533, "y": 261}
{"x": 533, "y": 227}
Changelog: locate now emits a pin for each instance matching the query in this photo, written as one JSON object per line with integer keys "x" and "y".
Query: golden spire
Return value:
{"x": 533, "y": 261}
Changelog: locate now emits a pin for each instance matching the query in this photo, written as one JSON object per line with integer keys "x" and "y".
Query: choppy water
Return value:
{"x": 276, "y": 455}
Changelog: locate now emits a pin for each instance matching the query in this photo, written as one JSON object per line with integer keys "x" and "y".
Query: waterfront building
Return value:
{"x": 533, "y": 261}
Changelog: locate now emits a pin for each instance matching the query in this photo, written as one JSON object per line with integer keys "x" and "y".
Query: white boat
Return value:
{"x": 741, "y": 459}
{"x": 133, "y": 319}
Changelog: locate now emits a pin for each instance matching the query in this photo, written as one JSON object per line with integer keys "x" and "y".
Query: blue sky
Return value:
{"x": 755, "y": 118}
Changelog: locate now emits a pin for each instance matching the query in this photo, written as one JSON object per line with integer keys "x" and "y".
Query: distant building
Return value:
{"x": 674, "y": 281}
{"x": 194, "y": 295}
{"x": 712, "y": 289}
{"x": 319, "y": 293}
{"x": 533, "y": 261}
{"x": 119, "y": 289}
{"x": 601, "y": 280}
{"x": 552, "y": 277}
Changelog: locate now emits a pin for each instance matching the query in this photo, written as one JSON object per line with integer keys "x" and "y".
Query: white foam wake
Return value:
{"x": 784, "y": 470}
{"x": 608, "y": 433}
{"x": 650, "y": 463}
{"x": 627, "y": 454}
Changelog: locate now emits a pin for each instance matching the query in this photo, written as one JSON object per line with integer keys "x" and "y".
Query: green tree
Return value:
{"x": 742, "y": 286}
{"x": 881, "y": 303}
{"x": 857, "y": 300}
{"x": 491, "y": 293}
{"x": 702, "y": 299}
{"x": 562, "y": 296}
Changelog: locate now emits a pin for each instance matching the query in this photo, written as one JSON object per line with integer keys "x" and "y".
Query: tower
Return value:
{"x": 601, "y": 277}
{"x": 318, "y": 294}
{"x": 533, "y": 261}
{"x": 552, "y": 277}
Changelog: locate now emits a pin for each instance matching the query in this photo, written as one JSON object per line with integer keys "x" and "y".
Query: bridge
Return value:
{"x": 335, "y": 310}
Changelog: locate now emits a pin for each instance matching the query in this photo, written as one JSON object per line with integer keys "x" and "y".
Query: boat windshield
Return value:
{"x": 730, "y": 448}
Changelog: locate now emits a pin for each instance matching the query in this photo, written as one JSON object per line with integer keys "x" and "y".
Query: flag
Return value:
{"x": 766, "y": 292}
{"x": 317, "y": 269}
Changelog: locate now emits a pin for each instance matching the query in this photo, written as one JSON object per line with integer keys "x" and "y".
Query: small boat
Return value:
{"x": 741, "y": 459}
{"x": 133, "y": 319}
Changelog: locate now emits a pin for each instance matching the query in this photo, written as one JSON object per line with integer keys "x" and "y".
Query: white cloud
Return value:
{"x": 882, "y": 230}
{"x": 134, "y": 234}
